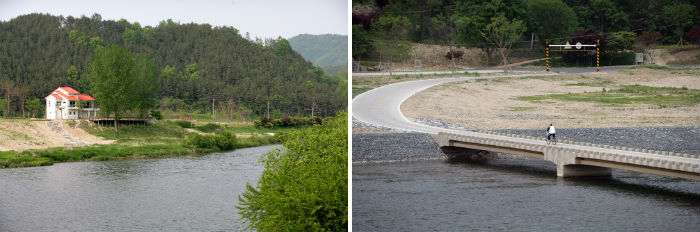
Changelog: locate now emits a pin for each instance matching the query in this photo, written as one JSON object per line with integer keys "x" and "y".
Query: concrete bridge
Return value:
{"x": 381, "y": 107}
{"x": 576, "y": 158}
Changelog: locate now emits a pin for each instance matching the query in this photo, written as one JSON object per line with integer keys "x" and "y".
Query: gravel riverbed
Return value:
{"x": 389, "y": 147}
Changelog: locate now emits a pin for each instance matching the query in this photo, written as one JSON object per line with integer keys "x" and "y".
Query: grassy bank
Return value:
{"x": 630, "y": 94}
{"x": 158, "y": 140}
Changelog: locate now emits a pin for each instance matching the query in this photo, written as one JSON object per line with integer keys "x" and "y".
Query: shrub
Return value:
{"x": 200, "y": 141}
{"x": 209, "y": 127}
{"x": 304, "y": 187}
{"x": 156, "y": 115}
{"x": 184, "y": 124}
{"x": 225, "y": 140}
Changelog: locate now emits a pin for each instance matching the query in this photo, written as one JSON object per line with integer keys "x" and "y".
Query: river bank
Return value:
{"x": 160, "y": 139}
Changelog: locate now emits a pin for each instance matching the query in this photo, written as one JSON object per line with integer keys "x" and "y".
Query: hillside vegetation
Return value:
{"x": 384, "y": 30}
{"x": 326, "y": 51}
{"x": 197, "y": 63}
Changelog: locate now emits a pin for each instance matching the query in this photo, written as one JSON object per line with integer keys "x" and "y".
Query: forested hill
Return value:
{"x": 326, "y": 51}
{"x": 197, "y": 63}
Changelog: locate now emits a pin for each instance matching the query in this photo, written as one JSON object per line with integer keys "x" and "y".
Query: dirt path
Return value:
{"x": 492, "y": 104}
{"x": 19, "y": 135}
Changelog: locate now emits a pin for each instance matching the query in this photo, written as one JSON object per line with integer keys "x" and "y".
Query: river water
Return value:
{"x": 175, "y": 194}
{"x": 511, "y": 193}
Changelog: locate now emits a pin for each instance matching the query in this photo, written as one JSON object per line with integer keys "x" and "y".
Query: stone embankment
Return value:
{"x": 57, "y": 126}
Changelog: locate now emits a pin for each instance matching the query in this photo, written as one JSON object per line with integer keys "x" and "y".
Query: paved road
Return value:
{"x": 382, "y": 106}
{"x": 554, "y": 70}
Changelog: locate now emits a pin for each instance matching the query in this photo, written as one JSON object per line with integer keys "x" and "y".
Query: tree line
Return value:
{"x": 489, "y": 25}
{"x": 196, "y": 64}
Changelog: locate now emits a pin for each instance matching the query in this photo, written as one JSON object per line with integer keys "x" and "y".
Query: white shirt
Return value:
{"x": 551, "y": 130}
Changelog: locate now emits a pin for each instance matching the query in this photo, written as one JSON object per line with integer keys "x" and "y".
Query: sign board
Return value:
{"x": 417, "y": 64}
{"x": 639, "y": 57}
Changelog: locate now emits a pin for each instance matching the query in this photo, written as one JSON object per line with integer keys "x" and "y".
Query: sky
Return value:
{"x": 261, "y": 18}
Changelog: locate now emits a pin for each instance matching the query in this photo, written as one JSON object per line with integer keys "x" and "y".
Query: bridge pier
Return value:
{"x": 580, "y": 170}
{"x": 569, "y": 166}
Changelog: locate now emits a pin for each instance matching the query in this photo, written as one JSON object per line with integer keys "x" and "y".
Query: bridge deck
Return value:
{"x": 575, "y": 153}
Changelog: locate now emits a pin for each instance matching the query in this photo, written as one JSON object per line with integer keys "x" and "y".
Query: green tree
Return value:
{"x": 361, "y": 46}
{"x": 620, "y": 41}
{"x": 608, "y": 16}
{"x": 559, "y": 22}
{"x": 473, "y": 16}
{"x": 503, "y": 33}
{"x": 681, "y": 15}
{"x": 192, "y": 71}
{"x": 146, "y": 87}
{"x": 394, "y": 29}
{"x": 303, "y": 187}
{"x": 120, "y": 81}
{"x": 282, "y": 47}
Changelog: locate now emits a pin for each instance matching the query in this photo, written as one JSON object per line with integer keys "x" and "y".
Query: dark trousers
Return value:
{"x": 552, "y": 136}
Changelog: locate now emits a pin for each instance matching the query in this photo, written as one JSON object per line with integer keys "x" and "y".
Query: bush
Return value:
{"x": 303, "y": 187}
{"x": 195, "y": 140}
{"x": 184, "y": 124}
{"x": 225, "y": 140}
{"x": 156, "y": 115}
{"x": 209, "y": 127}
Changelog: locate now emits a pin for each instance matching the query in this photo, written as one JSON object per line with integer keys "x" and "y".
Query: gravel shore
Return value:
{"x": 390, "y": 147}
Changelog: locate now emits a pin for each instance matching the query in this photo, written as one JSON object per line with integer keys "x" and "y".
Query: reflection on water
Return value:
{"x": 516, "y": 194}
{"x": 178, "y": 194}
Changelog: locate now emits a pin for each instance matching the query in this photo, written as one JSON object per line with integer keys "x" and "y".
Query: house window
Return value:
{"x": 72, "y": 103}
{"x": 58, "y": 103}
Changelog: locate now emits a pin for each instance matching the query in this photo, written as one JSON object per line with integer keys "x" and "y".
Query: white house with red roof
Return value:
{"x": 62, "y": 104}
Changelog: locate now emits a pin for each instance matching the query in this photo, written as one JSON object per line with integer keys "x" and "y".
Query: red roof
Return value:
{"x": 85, "y": 97}
{"x": 69, "y": 90}
{"x": 54, "y": 95}
{"x": 63, "y": 96}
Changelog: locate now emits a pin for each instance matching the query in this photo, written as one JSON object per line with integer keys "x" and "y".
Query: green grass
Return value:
{"x": 157, "y": 140}
{"x": 630, "y": 94}
{"x": 33, "y": 158}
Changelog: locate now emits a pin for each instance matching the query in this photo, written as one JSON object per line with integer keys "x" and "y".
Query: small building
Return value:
{"x": 67, "y": 103}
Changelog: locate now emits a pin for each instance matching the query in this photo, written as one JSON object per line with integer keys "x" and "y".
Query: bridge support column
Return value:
{"x": 569, "y": 166}
{"x": 574, "y": 170}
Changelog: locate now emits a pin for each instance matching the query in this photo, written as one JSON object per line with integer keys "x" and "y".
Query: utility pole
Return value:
{"x": 532, "y": 39}
{"x": 268, "y": 109}
{"x": 212, "y": 109}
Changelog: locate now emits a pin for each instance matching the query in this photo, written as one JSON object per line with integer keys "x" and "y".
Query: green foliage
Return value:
{"x": 184, "y": 124}
{"x": 560, "y": 20}
{"x": 630, "y": 94}
{"x": 192, "y": 71}
{"x": 222, "y": 140}
{"x": 620, "y": 41}
{"x": 121, "y": 81}
{"x": 209, "y": 127}
{"x": 681, "y": 15}
{"x": 304, "y": 187}
{"x": 156, "y": 115}
{"x": 34, "y": 106}
{"x": 282, "y": 47}
{"x": 361, "y": 46}
{"x": 38, "y": 49}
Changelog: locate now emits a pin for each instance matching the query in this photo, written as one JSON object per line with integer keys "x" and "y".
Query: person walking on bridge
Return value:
{"x": 551, "y": 132}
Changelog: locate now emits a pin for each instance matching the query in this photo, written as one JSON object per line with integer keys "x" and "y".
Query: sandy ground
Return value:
{"x": 492, "y": 104}
{"x": 21, "y": 135}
